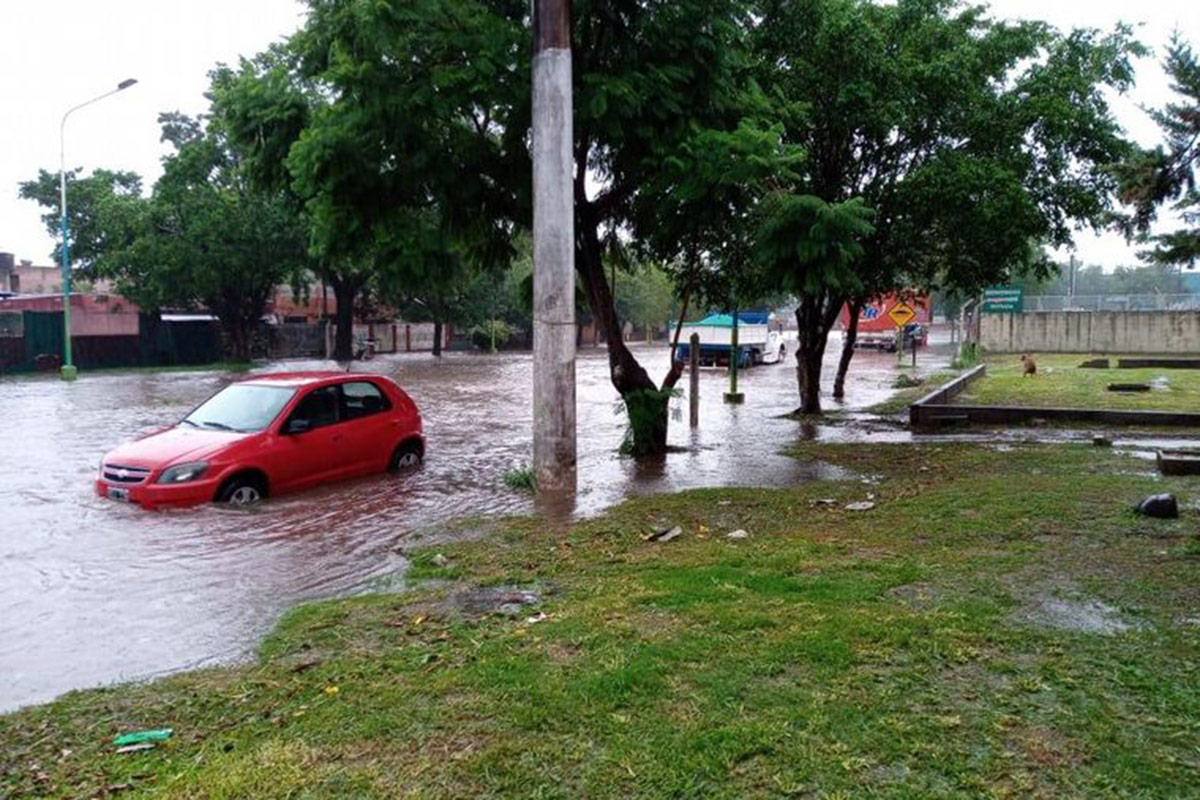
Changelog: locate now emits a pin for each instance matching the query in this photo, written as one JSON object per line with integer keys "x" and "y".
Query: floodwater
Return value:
{"x": 93, "y": 592}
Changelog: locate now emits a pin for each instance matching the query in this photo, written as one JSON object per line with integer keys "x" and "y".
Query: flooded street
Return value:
{"x": 93, "y": 592}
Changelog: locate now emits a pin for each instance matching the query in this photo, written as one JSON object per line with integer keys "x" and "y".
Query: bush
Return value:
{"x": 491, "y": 335}
{"x": 521, "y": 479}
{"x": 968, "y": 356}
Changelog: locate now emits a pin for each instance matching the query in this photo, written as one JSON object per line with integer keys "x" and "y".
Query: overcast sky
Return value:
{"x": 56, "y": 53}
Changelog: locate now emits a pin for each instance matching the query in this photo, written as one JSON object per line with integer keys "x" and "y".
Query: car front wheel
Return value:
{"x": 407, "y": 455}
{"x": 241, "y": 491}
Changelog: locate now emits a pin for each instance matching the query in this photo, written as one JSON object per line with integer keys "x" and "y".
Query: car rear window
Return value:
{"x": 361, "y": 399}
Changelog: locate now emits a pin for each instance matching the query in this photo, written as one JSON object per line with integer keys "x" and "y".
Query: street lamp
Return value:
{"x": 68, "y": 367}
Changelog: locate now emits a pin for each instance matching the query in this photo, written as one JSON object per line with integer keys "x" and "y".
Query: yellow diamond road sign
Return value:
{"x": 902, "y": 314}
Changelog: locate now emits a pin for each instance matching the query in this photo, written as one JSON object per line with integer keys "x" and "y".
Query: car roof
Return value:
{"x": 306, "y": 378}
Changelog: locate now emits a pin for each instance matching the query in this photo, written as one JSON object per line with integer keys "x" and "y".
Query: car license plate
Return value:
{"x": 118, "y": 494}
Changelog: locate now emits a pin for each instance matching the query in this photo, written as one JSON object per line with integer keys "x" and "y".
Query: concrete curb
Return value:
{"x": 935, "y": 409}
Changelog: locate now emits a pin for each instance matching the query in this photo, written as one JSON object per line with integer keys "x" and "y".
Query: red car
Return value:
{"x": 267, "y": 435}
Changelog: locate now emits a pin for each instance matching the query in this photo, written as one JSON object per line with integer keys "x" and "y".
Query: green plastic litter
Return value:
{"x": 137, "y": 737}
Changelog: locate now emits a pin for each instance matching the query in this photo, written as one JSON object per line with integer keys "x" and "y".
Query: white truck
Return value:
{"x": 760, "y": 339}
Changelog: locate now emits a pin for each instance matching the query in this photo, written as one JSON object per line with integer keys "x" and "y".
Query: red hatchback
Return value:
{"x": 269, "y": 434}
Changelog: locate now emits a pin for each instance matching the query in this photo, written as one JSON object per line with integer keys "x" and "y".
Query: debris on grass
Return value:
{"x": 1160, "y": 506}
{"x": 141, "y": 737}
{"x": 664, "y": 534}
{"x": 862, "y": 505}
{"x": 738, "y": 534}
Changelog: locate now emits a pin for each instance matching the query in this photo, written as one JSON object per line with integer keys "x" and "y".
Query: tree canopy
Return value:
{"x": 1157, "y": 177}
{"x": 203, "y": 238}
{"x": 969, "y": 138}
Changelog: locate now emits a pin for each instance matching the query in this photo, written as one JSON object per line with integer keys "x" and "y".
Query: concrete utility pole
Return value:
{"x": 553, "y": 249}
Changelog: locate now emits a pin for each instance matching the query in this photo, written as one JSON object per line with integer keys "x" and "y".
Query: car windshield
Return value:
{"x": 242, "y": 407}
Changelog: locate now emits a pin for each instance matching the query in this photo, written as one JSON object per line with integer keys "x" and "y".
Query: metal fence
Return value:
{"x": 1113, "y": 302}
{"x": 12, "y": 324}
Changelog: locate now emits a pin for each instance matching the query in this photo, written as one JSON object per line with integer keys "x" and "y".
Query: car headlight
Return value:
{"x": 182, "y": 473}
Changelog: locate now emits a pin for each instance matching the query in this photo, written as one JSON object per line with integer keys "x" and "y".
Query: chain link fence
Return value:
{"x": 1113, "y": 302}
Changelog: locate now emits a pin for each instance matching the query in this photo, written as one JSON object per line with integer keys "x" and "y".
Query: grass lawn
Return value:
{"x": 998, "y": 625}
{"x": 1060, "y": 382}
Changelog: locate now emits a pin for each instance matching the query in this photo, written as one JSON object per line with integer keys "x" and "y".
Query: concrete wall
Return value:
{"x": 91, "y": 314}
{"x": 1091, "y": 332}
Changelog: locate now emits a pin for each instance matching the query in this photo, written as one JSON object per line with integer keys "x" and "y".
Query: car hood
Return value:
{"x": 173, "y": 445}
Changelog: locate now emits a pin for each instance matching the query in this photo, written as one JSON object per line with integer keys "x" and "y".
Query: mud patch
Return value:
{"x": 1047, "y": 608}
{"x": 915, "y": 595}
{"x": 506, "y": 601}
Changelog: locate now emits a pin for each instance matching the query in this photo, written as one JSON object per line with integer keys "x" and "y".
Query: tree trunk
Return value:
{"x": 814, "y": 317}
{"x": 646, "y": 405}
{"x": 437, "y": 338}
{"x": 839, "y": 382}
{"x": 238, "y": 331}
{"x": 344, "y": 291}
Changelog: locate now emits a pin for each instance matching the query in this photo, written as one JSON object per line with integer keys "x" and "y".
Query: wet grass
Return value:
{"x": 1061, "y": 382}
{"x": 910, "y": 650}
{"x": 906, "y": 395}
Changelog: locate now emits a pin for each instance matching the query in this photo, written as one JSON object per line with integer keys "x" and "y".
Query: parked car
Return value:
{"x": 268, "y": 435}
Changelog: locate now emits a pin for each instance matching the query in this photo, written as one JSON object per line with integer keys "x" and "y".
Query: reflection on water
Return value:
{"x": 93, "y": 592}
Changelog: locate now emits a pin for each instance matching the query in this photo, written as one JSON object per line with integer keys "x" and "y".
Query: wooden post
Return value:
{"x": 554, "y": 453}
{"x": 694, "y": 379}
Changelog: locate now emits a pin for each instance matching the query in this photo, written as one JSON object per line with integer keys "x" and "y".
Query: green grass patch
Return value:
{"x": 1061, "y": 382}
{"x": 927, "y": 647}
{"x": 906, "y": 393}
{"x": 521, "y": 479}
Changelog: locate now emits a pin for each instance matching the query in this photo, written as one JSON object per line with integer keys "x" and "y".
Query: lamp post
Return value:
{"x": 68, "y": 366}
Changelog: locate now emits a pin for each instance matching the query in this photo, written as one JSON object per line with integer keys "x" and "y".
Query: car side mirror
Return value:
{"x": 296, "y": 426}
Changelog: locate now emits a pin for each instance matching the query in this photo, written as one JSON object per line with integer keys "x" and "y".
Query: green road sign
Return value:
{"x": 1004, "y": 299}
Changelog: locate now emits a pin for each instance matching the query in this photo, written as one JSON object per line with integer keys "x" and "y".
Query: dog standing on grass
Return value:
{"x": 1029, "y": 365}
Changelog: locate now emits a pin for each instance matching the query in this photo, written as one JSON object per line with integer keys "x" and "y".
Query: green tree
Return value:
{"x": 391, "y": 139}
{"x": 648, "y": 79}
{"x": 1151, "y": 178}
{"x": 453, "y": 295}
{"x": 88, "y": 198}
{"x": 810, "y": 248}
{"x": 969, "y": 137}
{"x": 397, "y": 147}
{"x": 203, "y": 239}
{"x": 645, "y": 296}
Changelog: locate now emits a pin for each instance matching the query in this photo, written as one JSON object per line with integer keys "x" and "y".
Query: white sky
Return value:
{"x": 56, "y": 53}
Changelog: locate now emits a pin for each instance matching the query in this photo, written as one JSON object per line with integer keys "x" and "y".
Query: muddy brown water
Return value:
{"x": 93, "y": 592}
